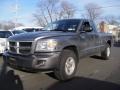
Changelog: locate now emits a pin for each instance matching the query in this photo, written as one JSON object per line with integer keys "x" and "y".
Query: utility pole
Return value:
{"x": 15, "y": 9}
{"x": 16, "y": 12}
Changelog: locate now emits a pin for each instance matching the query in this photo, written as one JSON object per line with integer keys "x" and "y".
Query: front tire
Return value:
{"x": 106, "y": 53}
{"x": 67, "y": 66}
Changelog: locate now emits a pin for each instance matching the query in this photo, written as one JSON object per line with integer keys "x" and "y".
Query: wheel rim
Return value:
{"x": 70, "y": 66}
{"x": 108, "y": 52}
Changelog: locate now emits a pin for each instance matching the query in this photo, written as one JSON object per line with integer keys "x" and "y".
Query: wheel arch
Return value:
{"x": 74, "y": 49}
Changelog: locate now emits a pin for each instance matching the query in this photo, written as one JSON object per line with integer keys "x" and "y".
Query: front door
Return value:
{"x": 87, "y": 39}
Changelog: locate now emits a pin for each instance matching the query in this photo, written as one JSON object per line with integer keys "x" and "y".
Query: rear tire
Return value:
{"x": 106, "y": 53}
{"x": 67, "y": 66}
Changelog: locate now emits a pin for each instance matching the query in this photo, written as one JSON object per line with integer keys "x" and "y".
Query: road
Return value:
{"x": 92, "y": 74}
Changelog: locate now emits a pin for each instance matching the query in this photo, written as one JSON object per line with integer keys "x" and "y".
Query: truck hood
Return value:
{"x": 42, "y": 34}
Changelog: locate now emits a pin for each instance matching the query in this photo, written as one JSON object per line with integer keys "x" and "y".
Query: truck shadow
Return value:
{"x": 8, "y": 80}
{"x": 97, "y": 57}
{"x": 81, "y": 83}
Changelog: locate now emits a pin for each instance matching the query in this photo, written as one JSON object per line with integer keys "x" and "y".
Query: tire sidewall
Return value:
{"x": 108, "y": 56}
{"x": 105, "y": 53}
{"x": 64, "y": 56}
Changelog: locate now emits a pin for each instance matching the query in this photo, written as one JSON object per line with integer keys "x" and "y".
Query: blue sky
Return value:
{"x": 28, "y": 7}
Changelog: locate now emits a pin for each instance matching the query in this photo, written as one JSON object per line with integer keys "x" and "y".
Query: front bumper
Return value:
{"x": 38, "y": 61}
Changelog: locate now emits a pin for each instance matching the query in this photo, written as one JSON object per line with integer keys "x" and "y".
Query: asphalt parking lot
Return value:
{"x": 92, "y": 74}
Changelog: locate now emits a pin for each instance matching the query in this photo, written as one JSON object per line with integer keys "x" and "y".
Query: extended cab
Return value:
{"x": 59, "y": 47}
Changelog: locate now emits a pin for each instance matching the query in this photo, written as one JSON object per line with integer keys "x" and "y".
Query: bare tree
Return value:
{"x": 68, "y": 9}
{"x": 40, "y": 20}
{"x": 46, "y": 11}
{"x": 51, "y": 10}
{"x": 6, "y": 25}
{"x": 93, "y": 11}
{"x": 65, "y": 10}
{"x": 112, "y": 20}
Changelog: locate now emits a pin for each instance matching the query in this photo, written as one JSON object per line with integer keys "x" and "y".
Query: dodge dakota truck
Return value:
{"x": 58, "y": 47}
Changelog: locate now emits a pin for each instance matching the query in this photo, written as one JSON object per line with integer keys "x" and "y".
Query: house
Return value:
{"x": 113, "y": 29}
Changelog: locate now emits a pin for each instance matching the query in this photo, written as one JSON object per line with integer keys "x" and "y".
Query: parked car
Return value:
{"x": 59, "y": 47}
{"x": 3, "y": 38}
{"x": 30, "y": 29}
{"x": 33, "y": 29}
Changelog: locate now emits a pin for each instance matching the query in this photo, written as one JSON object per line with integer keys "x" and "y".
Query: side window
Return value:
{"x": 86, "y": 27}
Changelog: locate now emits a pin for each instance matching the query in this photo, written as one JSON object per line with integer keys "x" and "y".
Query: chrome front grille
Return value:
{"x": 20, "y": 47}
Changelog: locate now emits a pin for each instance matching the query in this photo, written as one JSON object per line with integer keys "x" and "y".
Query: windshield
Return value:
{"x": 5, "y": 34}
{"x": 18, "y": 31}
{"x": 63, "y": 25}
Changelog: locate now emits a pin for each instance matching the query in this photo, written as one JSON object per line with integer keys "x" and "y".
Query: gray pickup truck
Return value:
{"x": 58, "y": 47}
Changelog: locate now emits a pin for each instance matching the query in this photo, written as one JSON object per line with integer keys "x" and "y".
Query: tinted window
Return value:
{"x": 5, "y": 34}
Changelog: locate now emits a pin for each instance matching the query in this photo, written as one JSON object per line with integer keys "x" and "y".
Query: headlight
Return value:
{"x": 46, "y": 45}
